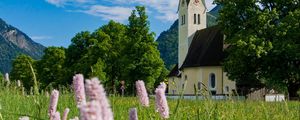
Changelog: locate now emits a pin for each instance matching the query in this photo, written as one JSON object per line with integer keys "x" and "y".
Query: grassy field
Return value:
{"x": 13, "y": 105}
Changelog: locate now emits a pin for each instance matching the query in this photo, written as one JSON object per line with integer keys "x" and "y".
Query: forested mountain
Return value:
{"x": 14, "y": 42}
{"x": 168, "y": 45}
{"x": 168, "y": 40}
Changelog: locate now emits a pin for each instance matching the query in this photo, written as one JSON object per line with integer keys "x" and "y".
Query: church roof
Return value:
{"x": 206, "y": 48}
{"x": 174, "y": 72}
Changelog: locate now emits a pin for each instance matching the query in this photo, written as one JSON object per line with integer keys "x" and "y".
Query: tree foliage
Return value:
{"x": 143, "y": 58}
{"x": 264, "y": 41}
{"x": 114, "y": 52}
{"x": 51, "y": 69}
{"x": 21, "y": 70}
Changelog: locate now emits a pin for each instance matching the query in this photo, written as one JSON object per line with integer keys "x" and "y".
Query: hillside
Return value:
{"x": 14, "y": 42}
{"x": 168, "y": 40}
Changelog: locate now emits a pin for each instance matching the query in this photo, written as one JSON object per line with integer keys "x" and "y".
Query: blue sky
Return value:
{"x": 55, "y": 22}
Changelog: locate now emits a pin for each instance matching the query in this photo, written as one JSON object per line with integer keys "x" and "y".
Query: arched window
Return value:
{"x": 212, "y": 81}
{"x": 185, "y": 77}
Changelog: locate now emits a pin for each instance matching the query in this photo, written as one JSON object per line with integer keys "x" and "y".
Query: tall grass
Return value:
{"x": 14, "y": 104}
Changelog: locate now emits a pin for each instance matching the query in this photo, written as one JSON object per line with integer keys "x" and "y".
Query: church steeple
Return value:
{"x": 192, "y": 17}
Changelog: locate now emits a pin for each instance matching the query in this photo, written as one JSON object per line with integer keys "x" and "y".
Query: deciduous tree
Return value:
{"x": 51, "y": 69}
{"x": 21, "y": 70}
{"x": 143, "y": 58}
{"x": 264, "y": 41}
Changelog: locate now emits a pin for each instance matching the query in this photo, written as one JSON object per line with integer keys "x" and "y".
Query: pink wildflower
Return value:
{"x": 78, "y": 84}
{"x": 53, "y": 103}
{"x": 96, "y": 92}
{"x": 55, "y": 116}
{"x": 90, "y": 111}
{"x": 133, "y": 114}
{"x": 161, "y": 103}
{"x": 163, "y": 86}
{"x": 66, "y": 112}
{"x": 142, "y": 93}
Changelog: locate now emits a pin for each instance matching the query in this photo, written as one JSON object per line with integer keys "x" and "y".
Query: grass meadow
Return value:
{"x": 14, "y": 104}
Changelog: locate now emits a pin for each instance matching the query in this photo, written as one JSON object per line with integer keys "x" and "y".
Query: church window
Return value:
{"x": 198, "y": 18}
{"x": 185, "y": 77}
{"x": 212, "y": 80}
{"x": 195, "y": 19}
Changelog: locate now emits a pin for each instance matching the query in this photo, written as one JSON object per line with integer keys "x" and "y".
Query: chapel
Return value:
{"x": 200, "y": 54}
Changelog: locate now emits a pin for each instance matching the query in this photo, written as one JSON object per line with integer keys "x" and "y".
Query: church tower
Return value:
{"x": 192, "y": 17}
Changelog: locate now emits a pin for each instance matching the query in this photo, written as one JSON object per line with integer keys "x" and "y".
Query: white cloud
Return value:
{"x": 209, "y": 4}
{"x": 40, "y": 37}
{"x": 58, "y": 3}
{"x": 109, "y": 13}
{"x": 165, "y": 10}
{"x": 62, "y": 3}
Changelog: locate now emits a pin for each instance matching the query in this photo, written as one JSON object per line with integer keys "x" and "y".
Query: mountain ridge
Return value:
{"x": 14, "y": 42}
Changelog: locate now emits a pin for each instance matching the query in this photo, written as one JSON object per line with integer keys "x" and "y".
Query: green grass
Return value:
{"x": 14, "y": 104}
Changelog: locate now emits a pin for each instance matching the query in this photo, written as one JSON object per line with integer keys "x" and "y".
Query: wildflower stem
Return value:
{"x": 36, "y": 88}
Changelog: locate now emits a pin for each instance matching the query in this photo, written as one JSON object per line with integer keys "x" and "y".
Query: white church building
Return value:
{"x": 200, "y": 54}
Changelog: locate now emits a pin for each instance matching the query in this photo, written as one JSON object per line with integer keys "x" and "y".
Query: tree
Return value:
{"x": 87, "y": 54}
{"x": 143, "y": 59}
{"x": 51, "y": 69}
{"x": 115, "y": 52}
{"x": 21, "y": 71}
{"x": 264, "y": 42}
{"x": 78, "y": 48}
